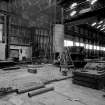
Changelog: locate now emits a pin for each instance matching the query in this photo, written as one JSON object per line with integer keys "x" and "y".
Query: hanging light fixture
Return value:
{"x": 93, "y": 2}
{"x": 72, "y": 6}
{"x": 93, "y": 24}
{"x": 100, "y": 22}
{"x": 99, "y": 26}
{"x": 73, "y": 13}
{"x": 102, "y": 28}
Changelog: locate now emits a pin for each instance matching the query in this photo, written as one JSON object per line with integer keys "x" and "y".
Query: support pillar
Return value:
{"x": 58, "y": 38}
{"x": 6, "y": 31}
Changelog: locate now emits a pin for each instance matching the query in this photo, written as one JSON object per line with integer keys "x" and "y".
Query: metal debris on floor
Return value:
{"x": 56, "y": 93}
{"x": 40, "y": 91}
{"x": 30, "y": 87}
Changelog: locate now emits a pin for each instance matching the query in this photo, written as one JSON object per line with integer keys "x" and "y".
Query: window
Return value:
{"x": 90, "y": 47}
{"x": 95, "y": 47}
{"x": 98, "y": 48}
{"x": 82, "y": 44}
{"x": 103, "y": 48}
{"x": 65, "y": 43}
{"x": 87, "y": 46}
{"x": 68, "y": 43}
{"x": 77, "y": 43}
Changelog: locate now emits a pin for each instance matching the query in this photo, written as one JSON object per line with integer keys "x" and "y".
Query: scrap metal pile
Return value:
{"x": 99, "y": 67}
{"x": 73, "y": 55}
{"x": 5, "y": 91}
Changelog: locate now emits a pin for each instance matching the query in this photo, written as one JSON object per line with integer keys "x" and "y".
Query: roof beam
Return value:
{"x": 98, "y": 13}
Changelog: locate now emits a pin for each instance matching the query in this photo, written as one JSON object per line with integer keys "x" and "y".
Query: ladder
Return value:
{"x": 66, "y": 60}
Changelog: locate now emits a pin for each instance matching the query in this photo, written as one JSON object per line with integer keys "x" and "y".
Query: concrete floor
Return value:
{"x": 65, "y": 93}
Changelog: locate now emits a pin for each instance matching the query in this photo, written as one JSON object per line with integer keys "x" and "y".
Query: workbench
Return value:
{"x": 89, "y": 78}
{"x": 6, "y": 64}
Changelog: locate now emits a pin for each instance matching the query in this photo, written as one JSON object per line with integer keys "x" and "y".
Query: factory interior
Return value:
{"x": 52, "y": 52}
